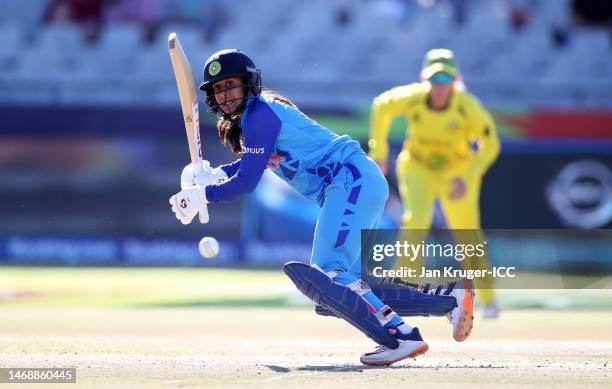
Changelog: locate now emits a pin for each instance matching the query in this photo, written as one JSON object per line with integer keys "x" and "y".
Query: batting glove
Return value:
{"x": 203, "y": 176}
{"x": 188, "y": 202}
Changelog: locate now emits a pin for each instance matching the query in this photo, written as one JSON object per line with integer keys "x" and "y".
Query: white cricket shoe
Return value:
{"x": 491, "y": 310}
{"x": 410, "y": 346}
{"x": 462, "y": 316}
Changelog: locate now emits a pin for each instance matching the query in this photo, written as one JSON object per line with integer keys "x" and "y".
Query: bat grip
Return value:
{"x": 198, "y": 167}
{"x": 203, "y": 212}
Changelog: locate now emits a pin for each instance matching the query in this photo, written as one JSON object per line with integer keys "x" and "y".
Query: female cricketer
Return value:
{"x": 451, "y": 143}
{"x": 269, "y": 131}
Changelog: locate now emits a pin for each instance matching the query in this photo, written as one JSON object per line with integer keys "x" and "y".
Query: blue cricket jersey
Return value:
{"x": 296, "y": 148}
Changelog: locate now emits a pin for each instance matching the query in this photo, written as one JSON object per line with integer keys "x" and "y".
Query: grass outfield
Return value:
{"x": 191, "y": 328}
{"x": 211, "y": 287}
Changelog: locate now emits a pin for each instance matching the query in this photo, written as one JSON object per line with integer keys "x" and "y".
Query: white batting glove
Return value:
{"x": 217, "y": 176}
{"x": 188, "y": 202}
{"x": 203, "y": 176}
{"x": 188, "y": 175}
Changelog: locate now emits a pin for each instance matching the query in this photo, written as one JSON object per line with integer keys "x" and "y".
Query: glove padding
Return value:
{"x": 202, "y": 175}
{"x": 186, "y": 203}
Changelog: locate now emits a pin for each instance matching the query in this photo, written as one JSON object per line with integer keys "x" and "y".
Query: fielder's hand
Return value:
{"x": 186, "y": 203}
{"x": 458, "y": 188}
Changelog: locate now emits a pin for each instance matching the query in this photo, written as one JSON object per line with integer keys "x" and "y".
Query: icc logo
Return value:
{"x": 581, "y": 194}
{"x": 183, "y": 203}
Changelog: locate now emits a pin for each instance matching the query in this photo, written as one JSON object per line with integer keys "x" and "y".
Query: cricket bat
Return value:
{"x": 189, "y": 104}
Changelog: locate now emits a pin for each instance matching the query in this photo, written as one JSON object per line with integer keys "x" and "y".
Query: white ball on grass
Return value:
{"x": 209, "y": 247}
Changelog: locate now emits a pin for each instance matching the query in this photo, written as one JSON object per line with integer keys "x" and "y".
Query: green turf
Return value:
{"x": 208, "y": 287}
{"x": 129, "y": 287}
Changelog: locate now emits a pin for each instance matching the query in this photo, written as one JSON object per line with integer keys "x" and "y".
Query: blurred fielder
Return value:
{"x": 451, "y": 144}
{"x": 269, "y": 131}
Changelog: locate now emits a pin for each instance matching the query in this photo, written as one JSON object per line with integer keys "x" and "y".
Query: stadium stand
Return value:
{"x": 308, "y": 47}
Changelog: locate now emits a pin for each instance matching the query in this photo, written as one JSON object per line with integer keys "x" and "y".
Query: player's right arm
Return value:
{"x": 385, "y": 107}
{"x": 260, "y": 132}
{"x": 231, "y": 168}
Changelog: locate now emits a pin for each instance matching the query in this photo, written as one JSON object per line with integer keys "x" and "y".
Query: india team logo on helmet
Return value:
{"x": 214, "y": 68}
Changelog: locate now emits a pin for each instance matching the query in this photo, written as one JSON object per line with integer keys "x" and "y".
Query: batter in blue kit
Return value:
{"x": 269, "y": 131}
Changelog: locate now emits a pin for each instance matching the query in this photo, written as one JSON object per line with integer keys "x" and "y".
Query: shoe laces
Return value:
{"x": 381, "y": 348}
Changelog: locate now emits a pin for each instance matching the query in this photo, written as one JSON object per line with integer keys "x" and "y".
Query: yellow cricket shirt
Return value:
{"x": 461, "y": 140}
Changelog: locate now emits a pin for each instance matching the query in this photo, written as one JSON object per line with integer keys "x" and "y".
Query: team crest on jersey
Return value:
{"x": 453, "y": 124}
{"x": 214, "y": 68}
{"x": 289, "y": 166}
{"x": 274, "y": 161}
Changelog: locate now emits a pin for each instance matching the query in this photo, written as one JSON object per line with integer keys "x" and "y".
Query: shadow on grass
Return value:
{"x": 361, "y": 368}
{"x": 278, "y": 369}
{"x": 331, "y": 368}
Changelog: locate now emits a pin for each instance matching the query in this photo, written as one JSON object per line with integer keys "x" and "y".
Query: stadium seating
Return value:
{"x": 306, "y": 48}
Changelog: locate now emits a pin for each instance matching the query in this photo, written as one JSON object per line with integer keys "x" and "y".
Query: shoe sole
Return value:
{"x": 466, "y": 322}
{"x": 419, "y": 351}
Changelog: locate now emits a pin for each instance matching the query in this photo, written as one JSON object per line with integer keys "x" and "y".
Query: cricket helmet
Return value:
{"x": 230, "y": 63}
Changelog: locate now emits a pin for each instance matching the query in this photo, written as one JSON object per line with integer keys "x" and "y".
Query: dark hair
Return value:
{"x": 230, "y": 132}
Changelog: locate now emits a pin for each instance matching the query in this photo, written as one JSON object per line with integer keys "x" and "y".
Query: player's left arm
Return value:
{"x": 483, "y": 133}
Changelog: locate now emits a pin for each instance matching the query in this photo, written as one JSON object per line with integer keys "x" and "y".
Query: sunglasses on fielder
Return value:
{"x": 441, "y": 79}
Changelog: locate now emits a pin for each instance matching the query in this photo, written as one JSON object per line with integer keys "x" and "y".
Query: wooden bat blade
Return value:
{"x": 188, "y": 96}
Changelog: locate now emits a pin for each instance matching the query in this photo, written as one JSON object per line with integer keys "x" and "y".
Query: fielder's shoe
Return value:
{"x": 410, "y": 346}
{"x": 491, "y": 310}
{"x": 462, "y": 316}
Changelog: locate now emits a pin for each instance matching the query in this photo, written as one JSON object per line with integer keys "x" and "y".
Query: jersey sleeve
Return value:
{"x": 482, "y": 131}
{"x": 385, "y": 108}
{"x": 231, "y": 168}
{"x": 261, "y": 129}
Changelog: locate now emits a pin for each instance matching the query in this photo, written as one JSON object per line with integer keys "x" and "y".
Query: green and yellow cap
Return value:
{"x": 439, "y": 60}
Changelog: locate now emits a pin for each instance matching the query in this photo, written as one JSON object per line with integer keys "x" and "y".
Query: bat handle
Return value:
{"x": 203, "y": 212}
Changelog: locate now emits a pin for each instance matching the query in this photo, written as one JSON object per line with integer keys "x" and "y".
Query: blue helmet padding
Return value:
{"x": 339, "y": 299}
{"x": 406, "y": 301}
